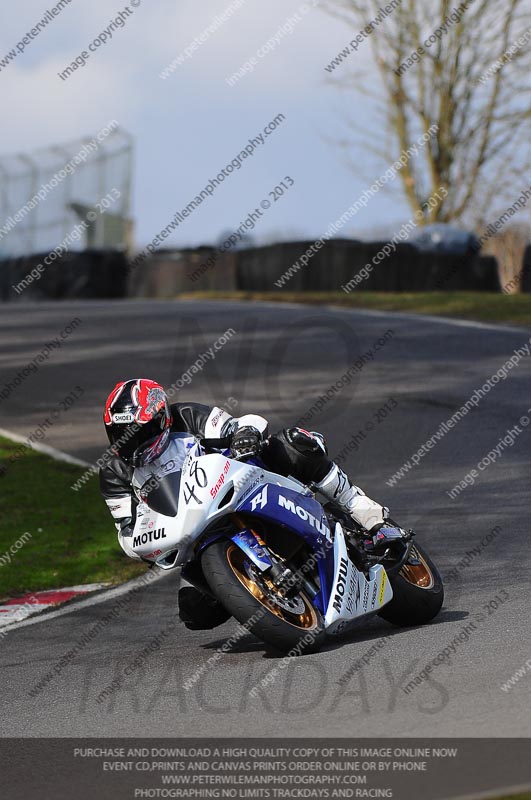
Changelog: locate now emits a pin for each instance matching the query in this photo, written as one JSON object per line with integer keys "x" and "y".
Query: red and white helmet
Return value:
{"x": 138, "y": 421}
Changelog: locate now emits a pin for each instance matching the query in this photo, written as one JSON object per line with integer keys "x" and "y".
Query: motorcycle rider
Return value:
{"x": 143, "y": 429}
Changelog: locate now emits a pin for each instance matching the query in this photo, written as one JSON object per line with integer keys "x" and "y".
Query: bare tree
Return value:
{"x": 508, "y": 247}
{"x": 471, "y": 79}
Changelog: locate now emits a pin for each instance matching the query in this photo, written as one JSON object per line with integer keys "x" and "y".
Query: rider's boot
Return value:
{"x": 337, "y": 487}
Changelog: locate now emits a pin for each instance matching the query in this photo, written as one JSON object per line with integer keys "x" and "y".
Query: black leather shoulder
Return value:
{"x": 115, "y": 478}
{"x": 190, "y": 417}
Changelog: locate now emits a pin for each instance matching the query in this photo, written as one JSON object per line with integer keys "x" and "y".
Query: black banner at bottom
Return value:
{"x": 404, "y": 769}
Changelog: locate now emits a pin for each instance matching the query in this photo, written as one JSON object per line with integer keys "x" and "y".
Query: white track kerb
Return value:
{"x": 58, "y": 455}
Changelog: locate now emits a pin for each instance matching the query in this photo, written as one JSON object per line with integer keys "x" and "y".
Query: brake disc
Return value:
{"x": 295, "y": 605}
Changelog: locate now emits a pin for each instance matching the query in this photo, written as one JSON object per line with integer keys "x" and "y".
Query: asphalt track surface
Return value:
{"x": 280, "y": 361}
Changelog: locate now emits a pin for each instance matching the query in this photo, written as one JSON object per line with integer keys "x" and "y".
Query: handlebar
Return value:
{"x": 223, "y": 443}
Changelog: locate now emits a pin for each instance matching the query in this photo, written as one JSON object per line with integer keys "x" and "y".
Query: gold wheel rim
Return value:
{"x": 418, "y": 574}
{"x": 307, "y": 620}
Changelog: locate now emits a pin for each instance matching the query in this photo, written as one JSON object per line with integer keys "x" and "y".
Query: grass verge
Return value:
{"x": 77, "y": 543}
{"x": 516, "y": 797}
{"x": 483, "y": 306}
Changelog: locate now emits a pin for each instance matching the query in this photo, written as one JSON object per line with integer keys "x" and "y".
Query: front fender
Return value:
{"x": 247, "y": 541}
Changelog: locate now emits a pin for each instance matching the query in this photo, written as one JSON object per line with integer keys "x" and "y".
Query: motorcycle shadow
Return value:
{"x": 248, "y": 643}
{"x": 376, "y": 628}
{"x": 364, "y": 632}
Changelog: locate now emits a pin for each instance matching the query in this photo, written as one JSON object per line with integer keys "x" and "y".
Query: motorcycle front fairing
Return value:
{"x": 353, "y": 594}
{"x": 345, "y": 593}
{"x": 184, "y": 504}
{"x": 285, "y": 505}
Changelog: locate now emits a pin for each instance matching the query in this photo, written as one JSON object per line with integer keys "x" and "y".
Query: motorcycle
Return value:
{"x": 291, "y": 570}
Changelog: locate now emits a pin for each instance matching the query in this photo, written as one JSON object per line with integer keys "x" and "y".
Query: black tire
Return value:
{"x": 222, "y": 563}
{"x": 418, "y": 592}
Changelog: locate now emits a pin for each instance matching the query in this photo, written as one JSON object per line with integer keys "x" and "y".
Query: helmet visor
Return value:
{"x": 151, "y": 449}
{"x": 127, "y": 439}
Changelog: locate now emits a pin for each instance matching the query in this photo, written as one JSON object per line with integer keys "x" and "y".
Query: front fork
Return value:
{"x": 287, "y": 582}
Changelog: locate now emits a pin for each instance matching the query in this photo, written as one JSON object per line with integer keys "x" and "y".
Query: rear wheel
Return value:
{"x": 289, "y": 624}
{"x": 418, "y": 592}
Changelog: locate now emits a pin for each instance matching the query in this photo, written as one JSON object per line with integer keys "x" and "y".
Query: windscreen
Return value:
{"x": 162, "y": 493}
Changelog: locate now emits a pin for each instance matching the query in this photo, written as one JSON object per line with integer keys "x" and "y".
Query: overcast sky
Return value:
{"x": 192, "y": 124}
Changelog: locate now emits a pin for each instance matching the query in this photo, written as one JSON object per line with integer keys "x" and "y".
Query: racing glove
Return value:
{"x": 125, "y": 537}
{"x": 245, "y": 442}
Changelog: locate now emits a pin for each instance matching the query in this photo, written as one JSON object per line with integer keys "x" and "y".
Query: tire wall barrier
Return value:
{"x": 171, "y": 273}
{"x": 261, "y": 268}
{"x": 89, "y": 274}
{"x": 97, "y": 274}
{"x": 339, "y": 261}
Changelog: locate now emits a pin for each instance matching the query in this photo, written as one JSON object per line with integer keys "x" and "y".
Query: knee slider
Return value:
{"x": 306, "y": 442}
{"x": 294, "y": 452}
{"x": 306, "y": 455}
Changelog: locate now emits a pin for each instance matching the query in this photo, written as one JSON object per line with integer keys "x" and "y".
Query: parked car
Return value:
{"x": 443, "y": 238}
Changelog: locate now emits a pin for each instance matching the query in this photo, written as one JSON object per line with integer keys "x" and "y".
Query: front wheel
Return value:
{"x": 292, "y": 625}
{"x": 418, "y": 591}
